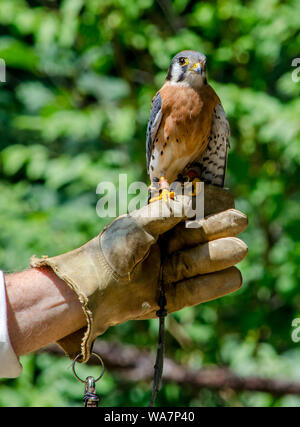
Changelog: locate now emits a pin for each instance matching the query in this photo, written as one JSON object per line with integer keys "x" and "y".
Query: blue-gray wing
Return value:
{"x": 153, "y": 125}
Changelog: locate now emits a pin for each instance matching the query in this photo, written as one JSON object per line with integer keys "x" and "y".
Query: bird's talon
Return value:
{"x": 164, "y": 195}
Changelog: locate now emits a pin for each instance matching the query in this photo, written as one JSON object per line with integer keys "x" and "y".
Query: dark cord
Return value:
{"x": 161, "y": 314}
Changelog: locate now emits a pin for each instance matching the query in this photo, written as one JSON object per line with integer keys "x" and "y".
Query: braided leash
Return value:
{"x": 161, "y": 314}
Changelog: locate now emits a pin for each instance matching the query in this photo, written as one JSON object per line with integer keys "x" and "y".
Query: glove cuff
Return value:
{"x": 82, "y": 270}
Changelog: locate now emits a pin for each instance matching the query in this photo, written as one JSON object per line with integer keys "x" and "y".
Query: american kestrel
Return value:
{"x": 188, "y": 131}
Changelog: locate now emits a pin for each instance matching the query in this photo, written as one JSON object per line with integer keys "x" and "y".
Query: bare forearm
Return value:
{"x": 41, "y": 309}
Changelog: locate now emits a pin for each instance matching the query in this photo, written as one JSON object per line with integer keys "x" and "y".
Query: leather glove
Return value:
{"x": 116, "y": 274}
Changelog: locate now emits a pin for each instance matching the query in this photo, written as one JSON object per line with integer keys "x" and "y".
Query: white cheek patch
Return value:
{"x": 176, "y": 72}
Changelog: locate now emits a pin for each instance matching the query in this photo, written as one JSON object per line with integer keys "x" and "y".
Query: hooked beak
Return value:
{"x": 196, "y": 68}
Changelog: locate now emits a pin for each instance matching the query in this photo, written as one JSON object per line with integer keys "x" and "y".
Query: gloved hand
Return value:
{"x": 116, "y": 274}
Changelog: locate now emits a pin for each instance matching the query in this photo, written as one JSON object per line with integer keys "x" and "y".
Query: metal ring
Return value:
{"x": 99, "y": 358}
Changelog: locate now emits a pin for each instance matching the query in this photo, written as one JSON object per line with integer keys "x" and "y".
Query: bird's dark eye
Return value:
{"x": 182, "y": 61}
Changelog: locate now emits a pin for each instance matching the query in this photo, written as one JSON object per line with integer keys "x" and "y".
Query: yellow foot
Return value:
{"x": 164, "y": 195}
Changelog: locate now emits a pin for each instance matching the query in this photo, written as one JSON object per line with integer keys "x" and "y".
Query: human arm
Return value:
{"x": 41, "y": 309}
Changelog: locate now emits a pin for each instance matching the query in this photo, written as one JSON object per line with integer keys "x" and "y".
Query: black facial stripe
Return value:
{"x": 169, "y": 75}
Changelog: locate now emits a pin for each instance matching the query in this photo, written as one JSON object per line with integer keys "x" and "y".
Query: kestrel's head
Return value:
{"x": 188, "y": 67}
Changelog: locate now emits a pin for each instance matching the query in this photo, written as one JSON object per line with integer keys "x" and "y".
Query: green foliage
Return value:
{"x": 73, "y": 112}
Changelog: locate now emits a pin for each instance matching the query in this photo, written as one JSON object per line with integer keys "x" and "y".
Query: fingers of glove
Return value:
{"x": 205, "y": 258}
{"x": 229, "y": 223}
{"x": 160, "y": 216}
{"x": 202, "y": 288}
